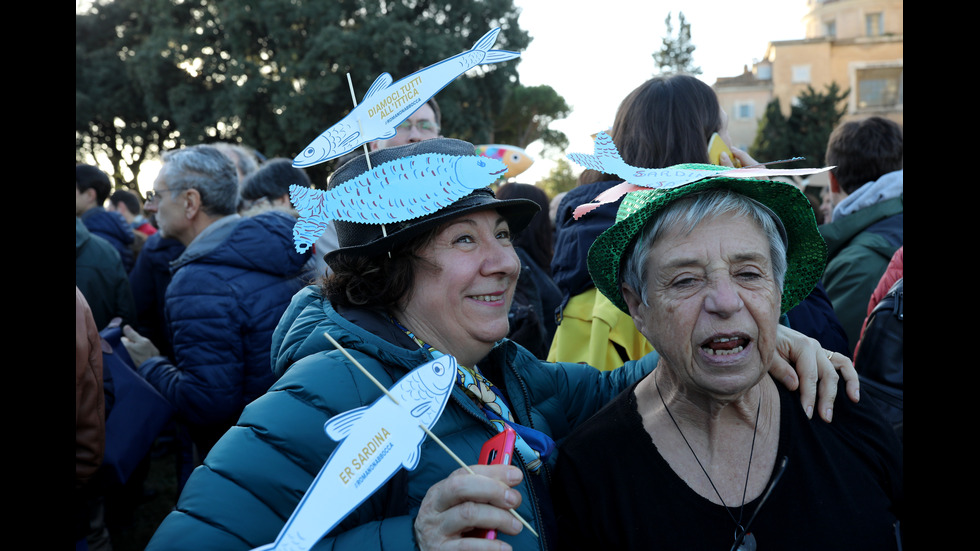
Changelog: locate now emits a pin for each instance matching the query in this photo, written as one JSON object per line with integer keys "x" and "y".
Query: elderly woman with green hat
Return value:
{"x": 402, "y": 294}
{"x": 707, "y": 452}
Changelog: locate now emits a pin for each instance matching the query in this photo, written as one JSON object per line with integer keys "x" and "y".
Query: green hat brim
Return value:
{"x": 806, "y": 253}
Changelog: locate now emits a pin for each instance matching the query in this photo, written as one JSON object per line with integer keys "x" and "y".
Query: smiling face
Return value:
{"x": 463, "y": 287}
{"x": 713, "y": 305}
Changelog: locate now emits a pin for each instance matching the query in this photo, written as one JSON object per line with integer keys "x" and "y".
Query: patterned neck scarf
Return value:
{"x": 532, "y": 445}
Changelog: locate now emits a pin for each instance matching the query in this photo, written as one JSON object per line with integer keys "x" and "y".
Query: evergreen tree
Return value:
{"x": 526, "y": 116}
{"x": 805, "y": 132}
{"x": 559, "y": 179}
{"x": 676, "y": 54}
{"x": 271, "y": 74}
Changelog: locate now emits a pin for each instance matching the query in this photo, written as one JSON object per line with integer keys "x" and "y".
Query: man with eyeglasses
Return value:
{"x": 230, "y": 286}
{"x": 424, "y": 124}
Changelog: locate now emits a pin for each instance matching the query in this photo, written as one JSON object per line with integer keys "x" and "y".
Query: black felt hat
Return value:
{"x": 361, "y": 239}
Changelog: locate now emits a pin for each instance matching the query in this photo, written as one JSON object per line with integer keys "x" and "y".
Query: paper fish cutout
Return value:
{"x": 375, "y": 441}
{"x": 395, "y": 191}
{"x": 386, "y": 105}
{"x": 516, "y": 159}
{"x": 606, "y": 159}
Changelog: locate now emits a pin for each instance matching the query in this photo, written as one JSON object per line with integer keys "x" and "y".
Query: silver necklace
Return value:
{"x": 747, "y": 539}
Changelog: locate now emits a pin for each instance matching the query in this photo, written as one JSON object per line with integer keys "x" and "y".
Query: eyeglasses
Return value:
{"x": 424, "y": 127}
{"x": 153, "y": 195}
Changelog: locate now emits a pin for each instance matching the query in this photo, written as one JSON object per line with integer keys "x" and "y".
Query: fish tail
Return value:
{"x": 587, "y": 161}
{"x": 492, "y": 56}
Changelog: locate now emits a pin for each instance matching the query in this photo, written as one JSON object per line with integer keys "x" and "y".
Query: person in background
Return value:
{"x": 100, "y": 275}
{"x": 234, "y": 278}
{"x": 245, "y": 159}
{"x": 665, "y": 121}
{"x": 445, "y": 290}
{"x": 709, "y": 452}
{"x": 867, "y": 224}
{"x": 92, "y": 188}
{"x": 90, "y": 416}
{"x": 127, "y": 204}
{"x": 269, "y": 185}
{"x": 532, "y": 314}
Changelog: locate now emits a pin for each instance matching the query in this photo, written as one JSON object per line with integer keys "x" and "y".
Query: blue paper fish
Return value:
{"x": 516, "y": 159}
{"x": 386, "y": 105}
{"x": 375, "y": 442}
{"x": 606, "y": 158}
{"x": 395, "y": 191}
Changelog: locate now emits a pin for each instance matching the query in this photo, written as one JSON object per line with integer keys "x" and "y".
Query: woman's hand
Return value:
{"x": 743, "y": 158}
{"x": 813, "y": 365}
{"x": 463, "y": 502}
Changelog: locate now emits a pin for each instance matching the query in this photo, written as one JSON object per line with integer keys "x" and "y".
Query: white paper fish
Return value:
{"x": 606, "y": 158}
{"x": 386, "y": 105}
{"x": 375, "y": 442}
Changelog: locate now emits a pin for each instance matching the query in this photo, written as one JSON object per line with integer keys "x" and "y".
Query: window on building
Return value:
{"x": 801, "y": 74}
{"x": 830, "y": 29}
{"x": 880, "y": 88}
{"x": 874, "y": 24}
{"x": 744, "y": 110}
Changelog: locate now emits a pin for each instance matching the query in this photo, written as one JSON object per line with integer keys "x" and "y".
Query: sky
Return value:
{"x": 594, "y": 53}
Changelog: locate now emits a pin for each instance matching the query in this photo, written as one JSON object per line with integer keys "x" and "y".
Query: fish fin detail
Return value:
{"x": 390, "y": 134}
{"x": 487, "y": 40}
{"x": 587, "y": 161}
{"x": 339, "y": 426}
{"x": 412, "y": 460}
{"x": 496, "y": 56}
{"x": 383, "y": 81}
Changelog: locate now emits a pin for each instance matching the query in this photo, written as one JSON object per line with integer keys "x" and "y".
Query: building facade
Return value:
{"x": 856, "y": 43}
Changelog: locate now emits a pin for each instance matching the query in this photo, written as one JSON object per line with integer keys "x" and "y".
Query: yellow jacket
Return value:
{"x": 595, "y": 332}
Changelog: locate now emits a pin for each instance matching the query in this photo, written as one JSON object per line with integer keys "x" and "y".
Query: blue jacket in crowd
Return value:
{"x": 112, "y": 227}
{"x": 229, "y": 289}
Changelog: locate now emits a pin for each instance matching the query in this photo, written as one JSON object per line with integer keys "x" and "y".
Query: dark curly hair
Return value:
{"x": 376, "y": 281}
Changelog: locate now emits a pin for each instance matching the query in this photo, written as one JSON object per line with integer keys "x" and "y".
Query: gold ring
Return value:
{"x": 830, "y": 354}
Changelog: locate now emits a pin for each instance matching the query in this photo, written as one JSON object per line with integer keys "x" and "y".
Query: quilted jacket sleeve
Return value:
{"x": 206, "y": 324}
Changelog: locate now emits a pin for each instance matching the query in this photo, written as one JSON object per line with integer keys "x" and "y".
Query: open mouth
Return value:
{"x": 724, "y": 346}
{"x": 488, "y": 298}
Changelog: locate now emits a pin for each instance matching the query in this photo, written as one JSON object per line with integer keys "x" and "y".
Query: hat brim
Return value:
{"x": 517, "y": 212}
{"x": 806, "y": 253}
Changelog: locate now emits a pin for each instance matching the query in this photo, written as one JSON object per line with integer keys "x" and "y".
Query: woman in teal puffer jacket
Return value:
{"x": 444, "y": 289}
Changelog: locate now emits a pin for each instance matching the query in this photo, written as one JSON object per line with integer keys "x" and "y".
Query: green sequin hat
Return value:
{"x": 806, "y": 253}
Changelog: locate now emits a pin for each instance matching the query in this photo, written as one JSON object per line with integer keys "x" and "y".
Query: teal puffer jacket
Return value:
{"x": 254, "y": 477}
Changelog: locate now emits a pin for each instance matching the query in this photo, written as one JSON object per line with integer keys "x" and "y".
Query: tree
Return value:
{"x": 676, "y": 55}
{"x": 561, "y": 178}
{"x": 273, "y": 74}
{"x": 528, "y": 111}
{"x": 805, "y": 132}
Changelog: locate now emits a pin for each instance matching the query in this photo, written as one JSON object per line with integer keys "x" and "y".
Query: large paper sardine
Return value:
{"x": 606, "y": 158}
{"x": 386, "y": 105}
{"x": 375, "y": 441}
{"x": 395, "y": 191}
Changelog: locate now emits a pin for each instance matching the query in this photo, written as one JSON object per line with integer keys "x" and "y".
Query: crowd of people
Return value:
{"x": 698, "y": 341}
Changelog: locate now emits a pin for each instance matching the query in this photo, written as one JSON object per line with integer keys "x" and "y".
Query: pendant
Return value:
{"x": 748, "y": 543}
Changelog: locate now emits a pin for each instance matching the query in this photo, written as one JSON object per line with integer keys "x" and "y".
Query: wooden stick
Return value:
{"x": 431, "y": 435}
{"x": 367, "y": 152}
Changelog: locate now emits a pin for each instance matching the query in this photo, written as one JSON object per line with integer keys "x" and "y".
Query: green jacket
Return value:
{"x": 254, "y": 477}
{"x": 859, "y": 247}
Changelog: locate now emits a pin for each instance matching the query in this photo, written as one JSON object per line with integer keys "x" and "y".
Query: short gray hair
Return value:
{"x": 206, "y": 169}
{"x": 686, "y": 213}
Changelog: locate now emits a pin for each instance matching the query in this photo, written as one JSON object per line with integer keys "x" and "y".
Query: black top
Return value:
{"x": 841, "y": 488}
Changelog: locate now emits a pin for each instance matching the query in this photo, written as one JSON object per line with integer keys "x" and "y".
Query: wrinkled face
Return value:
{"x": 460, "y": 302}
{"x": 421, "y": 125}
{"x": 169, "y": 209}
{"x": 713, "y": 305}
